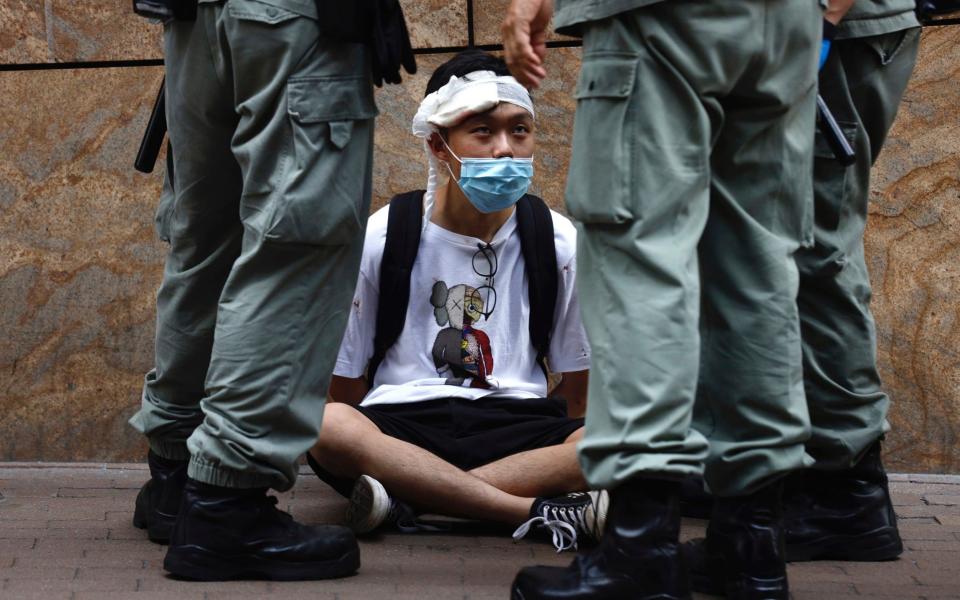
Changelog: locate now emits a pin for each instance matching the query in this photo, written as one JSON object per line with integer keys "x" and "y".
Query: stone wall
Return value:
{"x": 79, "y": 261}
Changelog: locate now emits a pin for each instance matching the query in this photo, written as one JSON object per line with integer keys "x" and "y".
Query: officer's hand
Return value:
{"x": 837, "y": 10}
{"x": 525, "y": 39}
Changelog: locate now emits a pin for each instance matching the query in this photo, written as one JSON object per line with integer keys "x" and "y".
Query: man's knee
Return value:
{"x": 574, "y": 437}
{"x": 343, "y": 430}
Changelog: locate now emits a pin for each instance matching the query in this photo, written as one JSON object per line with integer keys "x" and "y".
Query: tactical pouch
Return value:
{"x": 166, "y": 10}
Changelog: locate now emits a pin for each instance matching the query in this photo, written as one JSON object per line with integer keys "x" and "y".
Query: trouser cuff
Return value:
{"x": 169, "y": 450}
{"x": 218, "y": 475}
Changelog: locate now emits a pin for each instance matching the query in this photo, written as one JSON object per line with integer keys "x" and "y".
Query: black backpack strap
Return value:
{"x": 404, "y": 222}
{"x": 535, "y": 225}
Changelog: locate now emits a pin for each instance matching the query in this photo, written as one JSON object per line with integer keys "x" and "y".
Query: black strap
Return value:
{"x": 535, "y": 225}
{"x": 399, "y": 253}
{"x": 404, "y": 221}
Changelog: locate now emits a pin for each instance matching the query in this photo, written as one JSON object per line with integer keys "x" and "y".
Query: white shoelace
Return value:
{"x": 564, "y": 534}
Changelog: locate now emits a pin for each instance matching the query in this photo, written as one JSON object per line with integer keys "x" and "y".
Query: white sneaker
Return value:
{"x": 372, "y": 507}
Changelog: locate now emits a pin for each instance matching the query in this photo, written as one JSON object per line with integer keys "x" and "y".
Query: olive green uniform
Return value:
{"x": 271, "y": 131}
{"x": 690, "y": 173}
{"x": 862, "y": 81}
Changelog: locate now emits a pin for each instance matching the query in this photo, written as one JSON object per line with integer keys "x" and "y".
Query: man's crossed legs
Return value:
{"x": 504, "y": 460}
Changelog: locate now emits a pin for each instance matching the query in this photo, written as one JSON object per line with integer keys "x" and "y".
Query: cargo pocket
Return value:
{"x": 261, "y": 12}
{"x": 831, "y": 206}
{"x": 326, "y": 195}
{"x": 600, "y": 183}
{"x": 887, "y": 46}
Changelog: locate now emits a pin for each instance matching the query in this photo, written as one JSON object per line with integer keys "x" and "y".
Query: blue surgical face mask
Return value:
{"x": 493, "y": 184}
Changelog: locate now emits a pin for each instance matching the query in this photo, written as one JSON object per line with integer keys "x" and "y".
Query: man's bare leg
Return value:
{"x": 350, "y": 445}
{"x": 549, "y": 471}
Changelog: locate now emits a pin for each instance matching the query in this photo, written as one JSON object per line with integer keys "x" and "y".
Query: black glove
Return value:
{"x": 377, "y": 23}
{"x": 166, "y": 10}
{"x": 937, "y": 7}
{"x": 391, "y": 43}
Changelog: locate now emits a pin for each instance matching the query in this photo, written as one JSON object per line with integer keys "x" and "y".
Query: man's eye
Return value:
{"x": 521, "y": 129}
{"x": 481, "y": 130}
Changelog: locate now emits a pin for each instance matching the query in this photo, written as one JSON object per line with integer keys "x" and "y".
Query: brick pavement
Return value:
{"x": 65, "y": 533}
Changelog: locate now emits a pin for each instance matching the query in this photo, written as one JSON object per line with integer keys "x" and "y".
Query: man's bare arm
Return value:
{"x": 573, "y": 389}
{"x": 525, "y": 39}
{"x": 348, "y": 390}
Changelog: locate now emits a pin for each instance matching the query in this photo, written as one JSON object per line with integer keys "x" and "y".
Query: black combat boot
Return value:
{"x": 159, "y": 499}
{"x": 842, "y": 515}
{"x": 695, "y": 501}
{"x": 638, "y": 557}
{"x": 742, "y": 556}
{"x": 225, "y": 533}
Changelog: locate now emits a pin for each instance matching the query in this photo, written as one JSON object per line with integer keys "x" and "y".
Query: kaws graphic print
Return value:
{"x": 461, "y": 352}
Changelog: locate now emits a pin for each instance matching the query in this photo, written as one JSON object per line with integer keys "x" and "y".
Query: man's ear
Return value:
{"x": 438, "y": 148}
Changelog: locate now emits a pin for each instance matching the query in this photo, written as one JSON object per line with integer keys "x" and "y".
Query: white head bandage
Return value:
{"x": 460, "y": 98}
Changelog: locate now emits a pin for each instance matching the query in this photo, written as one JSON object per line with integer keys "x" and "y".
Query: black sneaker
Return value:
{"x": 372, "y": 508}
{"x": 224, "y": 533}
{"x": 568, "y": 517}
{"x": 158, "y": 502}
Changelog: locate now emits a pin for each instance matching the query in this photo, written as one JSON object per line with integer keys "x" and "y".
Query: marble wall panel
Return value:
{"x": 436, "y": 23}
{"x": 97, "y": 30}
{"x": 23, "y": 34}
{"x": 79, "y": 265}
{"x": 913, "y": 249}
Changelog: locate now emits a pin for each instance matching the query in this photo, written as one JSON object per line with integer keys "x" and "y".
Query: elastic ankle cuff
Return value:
{"x": 220, "y": 476}
{"x": 169, "y": 450}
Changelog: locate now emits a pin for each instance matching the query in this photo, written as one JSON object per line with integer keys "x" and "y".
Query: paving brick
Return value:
{"x": 903, "y": 589}
{"x": 132, "y": 573}
{"x": 937, "y": 546}
{"x": 934, "y": 478}
{"x": 18, "y": 586}
{"x": 825, "y": 588}
{"x": 51, "y": 571}
{"x": 77, "y": 562}
{"x": 25, "y": 595}
{"x": 141, "y": 595}
{"x": 926, "y": 532}
{"x": 24, "y": 524}
{"x": 8, "y": 546}
{"x": 168, "y": 584}
{"x": 944, "y": 499}
{"x": 926, "y": 510}
{"x": 904, "y": 499}
{"x": 913, "y": 488}
{"x": 950, "y": 520}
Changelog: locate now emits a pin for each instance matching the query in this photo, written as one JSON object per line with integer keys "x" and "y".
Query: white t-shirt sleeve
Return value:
{"x": 357, "y": 346}
{"x": 356, "y": 349}
{"x": 569, "y": 348}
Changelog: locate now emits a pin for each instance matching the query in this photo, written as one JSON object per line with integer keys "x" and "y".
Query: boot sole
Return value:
{"x": 750, "y": 588}
{"x": 516, "y": 594}
{"x": 192, "y": 562}
{"x": 875, "y": 546}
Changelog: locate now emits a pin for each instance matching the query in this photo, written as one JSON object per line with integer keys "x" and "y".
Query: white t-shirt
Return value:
{"x": 453, "y": 344}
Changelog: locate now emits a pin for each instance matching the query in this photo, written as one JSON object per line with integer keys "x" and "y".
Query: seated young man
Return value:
{"x": 456, "y": 419}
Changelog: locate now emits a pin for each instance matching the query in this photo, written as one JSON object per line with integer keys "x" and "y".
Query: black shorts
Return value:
{"x": 472, "y": 433}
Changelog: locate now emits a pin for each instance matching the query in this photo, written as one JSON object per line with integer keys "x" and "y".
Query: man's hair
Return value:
{"x": 463, "y": 63}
